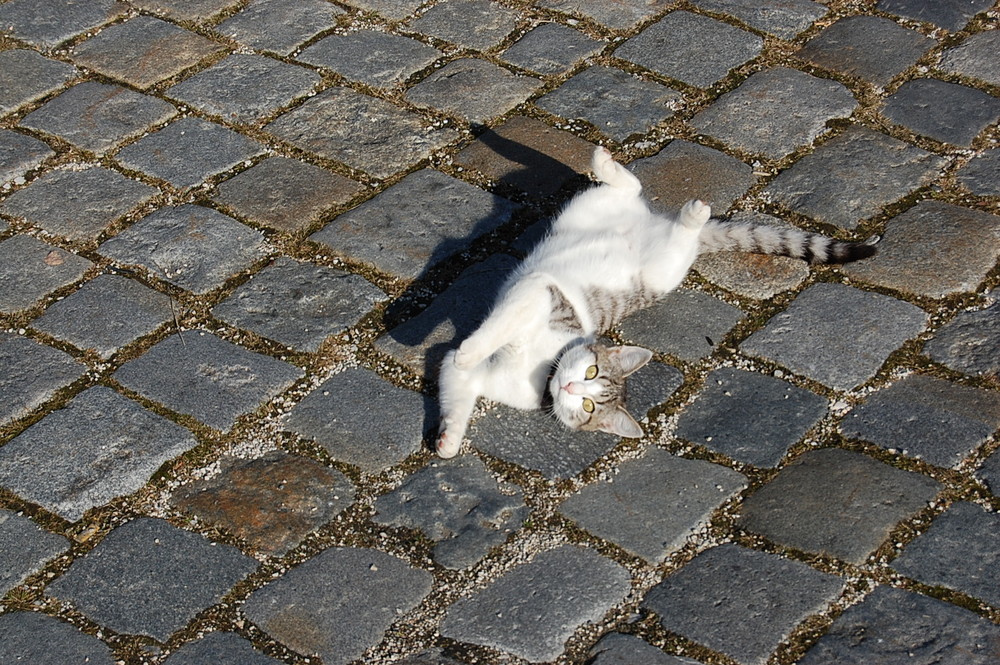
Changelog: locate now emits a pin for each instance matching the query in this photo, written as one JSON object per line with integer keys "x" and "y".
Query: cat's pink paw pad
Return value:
{"x": 448, "y": 446}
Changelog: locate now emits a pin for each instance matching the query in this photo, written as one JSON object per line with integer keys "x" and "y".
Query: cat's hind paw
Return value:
{"x": 694, "y": 214}
{"x": 448, "y": 445}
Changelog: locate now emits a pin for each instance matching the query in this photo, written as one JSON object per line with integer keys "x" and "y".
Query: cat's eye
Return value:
{"x": 588, "y": 405}
{"x": 591, "y": 372}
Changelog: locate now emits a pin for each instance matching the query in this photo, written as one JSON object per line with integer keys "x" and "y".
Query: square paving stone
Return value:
{"x": 22, "y": 387}
{"x": 934, "y": 249}
{"x": 981, "y": 174}
{"x": 99, "y": 447}
{"x": 750, "y": 417}
{"x": 928, "y": 418}
{"x": 836, "y": 502}
{"x": 148, "y": 577}
{"x": 185, "y": 10}
{"x": 271, "y": 502}
{"x": 975, "y": 57}
{"x": 106, "y": 314}
{"x": 947, "y": 112}
{"x": 31, "y": 637}
{"x": 392, "y": 9}
{"x": 362, "y": 419}
{"x": 459, "y": 505}
{"x": 686, "y": 324}
{"x": 775, "y": 111}
{"x": 143, "y": 51}
{"x": 619, "y": 15}
{"x": 26, "y": 76}
{"x": 622, "y": 649}
{"x": 193, "y": 247}
{"x": 652, "y": 505}
{"x": 339, "y": 603}
{"x": 961, "y": 551}
{"x": 872, "y": 48}
{"x": 77, "y": 204}
{"x": 781, "y": 18}
{"x": 245, "y": 88}
{"x": 475, "y": 24}
{"x": 551, "y": 48}
{"x": 219, "y": 649}
{"x": 299, "y": 304}
{"x": 651, "y": 386}
{"x": 24, "y": 549}
{"x": 949, "y": 14}
{"x": 285, "y": 194}
{"x": 528, "y": 155}
{"x": 741, "y": 602}
{"x": 836, "y": 334}
{"x": 615, "y": 102}
{"x": 97, "y": 117}
{"x": 876, "y": 169}
{"x": 896, "y": 627}
{"x": 18, "y": 155}
{"x": 418, "y": 222}
{"x": 30, "y": 269}
{"x": 200, "y": 375}
{"x": 377, "y": 58}
{"x": 568, "y": 586}
{"x": 361, "y": 131}
{"x": 47, "y": 23}
{"x": 280, "y": 26}
{"x": 473, "y": 89}
{"x": 691, "y": 48}
{"x": 970, "y": 342}
{"x": 188, "y": 152}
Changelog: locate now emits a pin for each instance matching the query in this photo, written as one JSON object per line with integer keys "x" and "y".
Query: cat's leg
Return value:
{"x": 458, "y": 390}
{"x": 694, "y": 214}
{"x": 612, "y": 173}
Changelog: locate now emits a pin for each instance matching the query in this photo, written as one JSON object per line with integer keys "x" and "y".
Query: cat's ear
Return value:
{"x": 630, "y": 358}
{"x": 619, "y": 422}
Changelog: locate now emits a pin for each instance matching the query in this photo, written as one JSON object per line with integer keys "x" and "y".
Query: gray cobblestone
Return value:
{"x": 22, "y": 387}
{"x": 24, "y": 549}
{"x": 47, "y": 23}
{"x": 185, "y": 10}
{"x": 280, "y": 25}
{"x": 385, "y": 59}
{"x": 982, "y": 173}
{"x": 219, "y": 649}
{"x": 970, "y": 343}
{"x": 620, "y": 16}
{"x": 949, "y": 14}
{"x": 31, "y": 269}
{"x": 621, "y": 649}
{"x": 957, "y": 115}
{"x": 551, "y": 48}
{"x": 20, "y": 154}
{"x": 686, "y": 324}
{"x": 31, "y": 637}
{"x": 974, "y": 57}
{"x": 781, "y": 18}
{"x": 472, "y": 88}
{"x": 26, "y": 76}
{"x": 474, "y": 24}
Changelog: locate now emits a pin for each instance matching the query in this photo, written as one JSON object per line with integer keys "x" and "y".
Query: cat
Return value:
{"x": 606, "y": 255}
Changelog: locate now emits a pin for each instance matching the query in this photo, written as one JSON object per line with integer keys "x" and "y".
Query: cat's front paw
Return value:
{"x": 695, "y": 213}
{"x": 467, "y": 356}
{"x": 448, "y": 445}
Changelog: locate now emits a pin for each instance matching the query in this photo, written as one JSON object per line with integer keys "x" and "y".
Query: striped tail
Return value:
{"x": 722, "y": 235}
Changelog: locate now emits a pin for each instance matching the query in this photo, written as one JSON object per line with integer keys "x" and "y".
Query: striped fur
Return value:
{"x": 723, "y": 235}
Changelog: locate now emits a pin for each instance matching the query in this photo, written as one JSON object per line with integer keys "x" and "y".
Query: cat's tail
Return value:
{"x": 722, "y": 235}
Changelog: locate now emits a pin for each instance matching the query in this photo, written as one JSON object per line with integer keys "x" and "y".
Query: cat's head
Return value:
{"x": 588, "y": 387}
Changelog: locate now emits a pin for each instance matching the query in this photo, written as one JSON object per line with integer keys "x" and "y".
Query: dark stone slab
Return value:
{"x": 741, "y": 602}
{"x": 361, "y": 131}
{"x": 219, "y": 649}
{"x": 26, "y": 76}
{"x": 30, "y": 637}
{"x": 20, "y": 154}
{"x": 143, "y": 51}
{"x": 299, "y": 304}
{"x": 101, "y": 446}
{"x": 30, "y": 269}
{"x": 750, "y": 417}
{"x": 22, "y": 387}
{"x": 970, "y": 342}
{"x": 24, "y": 549}
{"x": 650, "y": 387}
{"x": 686, "y": 324}
{"x": 339, "y": 603}
{"x": 392, "y": 9}
{"x": 47, "y": 23}
{"x": 97, "y": 117}
{"x": 949, "y": 14}
{"x": 473, "y": 89}
{"x": 377, "y": 58}
{"x": 284, "y": 193}
{"x": 836, "y": 502}
{"x": 961, "y": 551}
{"x": 200, "y": 375}
{"x": 106, "y": 314}
{"x": 619, "y": 15}
{"x": 271, "y": 502}
{"x": 622, "y": 649}
{"x": 896, "y": 627}
{"x": 934, "y": 249}
{"x": 185, "y": 10}
{"x": 415, "y": 224}
{"x": 989, "y": 472}
{"x": 875, "y": 168}
{"x": 459, "y": 505}
{"x": 781, "y": 18}
{"x": 245, "y": 88}
{"x": 775, "y": 111}
{"x": 927, "y": 418}
{"x": 947, "y": 112}
{"x": 362, "y": 419}
{"x": 77, "y": 204}
{"x": 150, "y": 578}
{"x": 975, "y": 57}
{"x": 280, "y": 25}
{"x": 836, "y": 334}
{"x": 653, "y": 504}
{"x": 982, "y": 173}
{"x": 475, "y": 24}
{"x": 193, "y": 247}
{"x": 691, "y": 48}
{"x": 188, "y": 152}
{"x": 568, "y": 586}
{"x": 872, "y": 48}
{"x": 551, "y": 48}
{"x": 615, "y": 102}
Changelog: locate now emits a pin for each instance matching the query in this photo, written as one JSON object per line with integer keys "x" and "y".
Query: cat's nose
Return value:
{"x": 571, "y": 388}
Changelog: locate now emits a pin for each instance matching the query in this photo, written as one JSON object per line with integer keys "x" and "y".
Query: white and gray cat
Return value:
{"x": 606, "y": 256}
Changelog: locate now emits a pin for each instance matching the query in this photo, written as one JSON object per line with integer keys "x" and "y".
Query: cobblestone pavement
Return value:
{"x": 236, "y": 237}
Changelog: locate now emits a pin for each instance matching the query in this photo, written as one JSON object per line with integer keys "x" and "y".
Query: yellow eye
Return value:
{"x": 591, "y": 373}
{"x": 588, "y": 405}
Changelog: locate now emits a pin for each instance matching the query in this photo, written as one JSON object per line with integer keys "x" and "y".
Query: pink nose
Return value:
{"x": 571, "y": 388}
